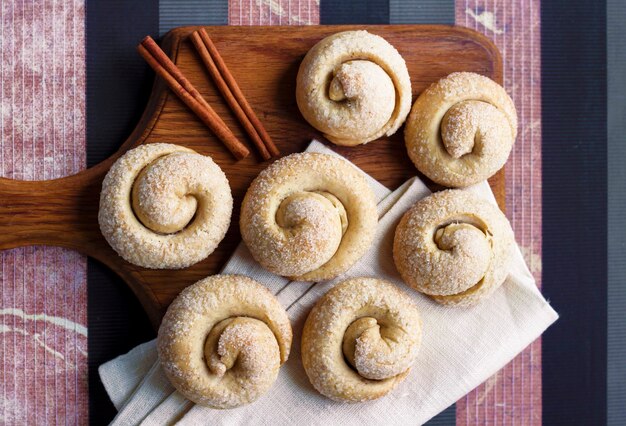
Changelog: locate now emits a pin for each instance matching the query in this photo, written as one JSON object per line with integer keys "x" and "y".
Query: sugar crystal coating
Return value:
{"x": 360, "y": 340}
{"x": 308, "y": 216}
{"x": 164, "y": 206}
{"x": 222, "y": 341}
{"x": 354, "y": 86}
{"x": 461, "y": 129}
{"x": 454, "y": 246}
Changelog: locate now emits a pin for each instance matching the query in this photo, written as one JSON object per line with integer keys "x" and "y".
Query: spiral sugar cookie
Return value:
{"x": 454, "y": 246}
{"x": 461, "y": 129}
{"x": 308, "y": 216}
{"x": 354, "y": 87}
{"x": 164, "y": 206}
{"x": 360, "y": 340}
{"x": 223, "y": 340}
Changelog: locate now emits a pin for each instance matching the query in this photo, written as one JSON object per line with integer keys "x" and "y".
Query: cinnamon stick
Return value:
{"x": 228, "y": 95}
{"x": 227, "y": 84}
{"x": 166, "y": 69}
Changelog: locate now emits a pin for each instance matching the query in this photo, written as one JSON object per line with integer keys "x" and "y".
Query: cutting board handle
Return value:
{"x": 59, "y": 212}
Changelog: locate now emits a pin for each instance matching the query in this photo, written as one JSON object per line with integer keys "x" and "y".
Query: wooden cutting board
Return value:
{"x": 264, "y": 61}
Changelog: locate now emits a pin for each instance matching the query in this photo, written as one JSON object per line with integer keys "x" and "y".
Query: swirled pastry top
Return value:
{"x": 360, "y": 340}
{"x": 454, "y": 246}
{"x": 164, "y": 206}
{"x": 354, "y": 87}
{"x": 308, "y": 216}
{"x": 223, "y": 340}
{"x": 461, "y": 129}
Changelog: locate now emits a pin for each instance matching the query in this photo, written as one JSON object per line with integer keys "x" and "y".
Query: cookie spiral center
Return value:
{"x": 377, "y": 352}
{"x": 315, "y": 222}
{"x": 367, "y": 93}
{"x": 242, "y": 347}
{"x": 163, "y": 195}
{"x": 466, "y": 248}
{"x": 473, "y": 127}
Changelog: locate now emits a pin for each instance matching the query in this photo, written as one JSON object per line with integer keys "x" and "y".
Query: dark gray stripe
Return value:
{"x": 573, "y": 85}
{"x": 616, "y": 126}
{"x": 118, "y": 80}
{"x": 421, "y": 12}
{"x": 336, "y": 12}
{"x": 177, "y": 13}
{"x": 118, "y": 86}
{"x": 426, "y": 12}
{"x": 446, "y": 418}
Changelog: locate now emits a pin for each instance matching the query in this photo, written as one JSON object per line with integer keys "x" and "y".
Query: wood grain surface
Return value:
{"x": 264, "y": 60}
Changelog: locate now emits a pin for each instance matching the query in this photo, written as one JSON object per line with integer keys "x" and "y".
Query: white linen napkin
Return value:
{"x": 461, "y": 347}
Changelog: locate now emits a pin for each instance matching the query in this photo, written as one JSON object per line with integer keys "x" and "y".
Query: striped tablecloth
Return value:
{"x": 43, "y": 128}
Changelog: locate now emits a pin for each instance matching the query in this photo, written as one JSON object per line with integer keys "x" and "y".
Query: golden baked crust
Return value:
{"x": 308, "y": 216}
{"x": 454, "y": 246}
{"x": 163, "y": 206}
{"x": 461, "y": 129}
{"x": 360, "y": 340}
{"x": 354, "y": 87}
{"x": 222, "y": 341}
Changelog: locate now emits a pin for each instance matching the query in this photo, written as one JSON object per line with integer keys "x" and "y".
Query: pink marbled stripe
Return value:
{"x": 273, "y": 12}
{"x": 43, "y": 304}
{"x": 513, "y": 395}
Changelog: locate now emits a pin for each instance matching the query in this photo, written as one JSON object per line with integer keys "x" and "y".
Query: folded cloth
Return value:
{"x": 461, "y": 347}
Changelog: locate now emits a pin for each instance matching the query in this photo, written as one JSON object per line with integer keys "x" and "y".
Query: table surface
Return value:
{"x": 46, "y": 132}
